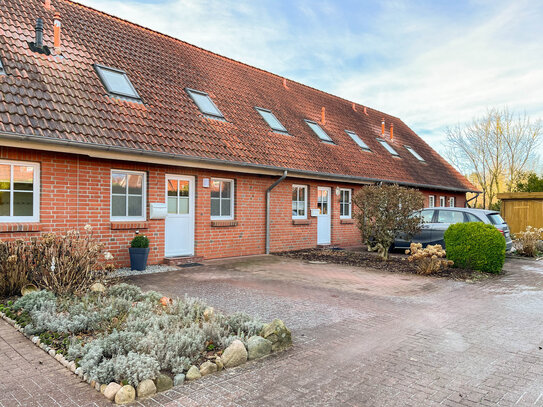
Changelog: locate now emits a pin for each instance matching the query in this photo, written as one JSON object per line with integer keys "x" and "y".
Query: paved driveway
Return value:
{"x": 366, "y": 338}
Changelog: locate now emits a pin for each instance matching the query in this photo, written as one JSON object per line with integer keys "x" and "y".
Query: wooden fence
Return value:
{"x": 522, "y": 209}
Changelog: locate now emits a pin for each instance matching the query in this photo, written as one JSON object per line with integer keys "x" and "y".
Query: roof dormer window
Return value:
{"x": 319, "y": 131}
{"x": 204, "y": 103}
{"x": 272, "y": 121}
{"x": 116, "y": 82}
{"x": 388, "y": 147}
{"x": 358, "y": 140}
{"x": 414, "y": 153}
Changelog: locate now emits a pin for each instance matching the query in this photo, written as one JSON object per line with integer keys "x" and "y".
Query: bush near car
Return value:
{"x": 475, "y": 245}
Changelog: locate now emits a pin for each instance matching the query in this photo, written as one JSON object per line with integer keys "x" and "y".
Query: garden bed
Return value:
{"x": 126, "y": 342}
{"x": 397, "y": 263}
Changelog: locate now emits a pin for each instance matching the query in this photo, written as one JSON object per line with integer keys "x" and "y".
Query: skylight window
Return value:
{"x": 415, "y": 154}
{"x": 358, "y": 140}
{"x": 272, "y": 121}
{"x": 1, "y": 68}
{"x": 116, "y": 82}
{"x": 388, "y": 147}
{"x": 319, "y": 131}
{"x": 204, "y": 103}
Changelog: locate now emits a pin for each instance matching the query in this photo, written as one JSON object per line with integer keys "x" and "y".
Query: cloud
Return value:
{"x": 433, "y": 64}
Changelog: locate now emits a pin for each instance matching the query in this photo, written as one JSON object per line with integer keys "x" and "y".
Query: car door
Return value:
{"x": 444, "y": 219}
{"x": 423, "y": 236}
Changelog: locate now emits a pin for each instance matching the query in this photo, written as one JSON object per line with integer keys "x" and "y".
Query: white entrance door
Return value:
{"x": 179, "y": 234}
{"x": 324, "y": 219}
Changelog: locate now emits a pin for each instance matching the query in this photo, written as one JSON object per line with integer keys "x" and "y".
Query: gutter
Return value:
{"x": 268, "y": 220}
{"x": 211, "y": 161}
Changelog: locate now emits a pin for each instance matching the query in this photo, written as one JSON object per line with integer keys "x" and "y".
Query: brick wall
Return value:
{"x": 75, "y": 191}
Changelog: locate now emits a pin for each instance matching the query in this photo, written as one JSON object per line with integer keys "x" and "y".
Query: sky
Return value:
{"x": 433, "y": 63}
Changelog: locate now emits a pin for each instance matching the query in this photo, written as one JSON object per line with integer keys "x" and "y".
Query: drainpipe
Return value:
{"x": 268, "y": 194}
{"x": 471, "y": 199}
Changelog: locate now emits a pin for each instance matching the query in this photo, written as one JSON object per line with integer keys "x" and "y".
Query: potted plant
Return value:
{"x": 139, "y": 251}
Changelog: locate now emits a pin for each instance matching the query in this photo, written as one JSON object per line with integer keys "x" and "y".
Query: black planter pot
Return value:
{"x": 138, "y": 258}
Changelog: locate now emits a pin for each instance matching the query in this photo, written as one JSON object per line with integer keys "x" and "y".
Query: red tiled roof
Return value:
{"x": 63, "y": 98}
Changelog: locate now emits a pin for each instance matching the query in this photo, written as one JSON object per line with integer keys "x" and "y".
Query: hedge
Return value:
{"x": 475, "y": 245}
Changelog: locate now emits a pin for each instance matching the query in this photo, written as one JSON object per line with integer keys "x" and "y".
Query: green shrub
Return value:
{"x": 140, "y": 241}
{"x": 475, "y": 245}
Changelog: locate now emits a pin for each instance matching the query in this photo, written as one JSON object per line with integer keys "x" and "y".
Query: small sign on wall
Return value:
{"x": 315, "y": 212}
{"x": 205, "y": 182}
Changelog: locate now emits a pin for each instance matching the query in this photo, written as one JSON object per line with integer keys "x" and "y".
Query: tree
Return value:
{"x": 532, "y": 183}
{"x": 497, "y": 149}
{"x": 385, "y": 212}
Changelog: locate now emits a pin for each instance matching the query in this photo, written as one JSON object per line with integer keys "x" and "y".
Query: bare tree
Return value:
{"x": 497, "y": 149}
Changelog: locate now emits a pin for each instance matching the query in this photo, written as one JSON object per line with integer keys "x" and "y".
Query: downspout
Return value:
{"x": 268, "y": 194}
{"x": 471, "y": 199}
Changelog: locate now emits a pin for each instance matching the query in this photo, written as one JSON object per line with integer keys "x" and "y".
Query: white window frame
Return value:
{"x": 452, "y": 202}
{"x": 305, "y": 201}
{"x": 322, "y": 137}
{"x": 214, "y": 115}
{"x": 431, "y": 201}
{"x": 143, "y": 197}
{"x": 282, "y": 129}
{"x": 341, "y": 190}
{"x": 358, "y": 140}
{"x": 35, "y": 193}
{"x": 442, "y": 201}
{"x": 99, "y": 68}
{"x": 232, "y": 197}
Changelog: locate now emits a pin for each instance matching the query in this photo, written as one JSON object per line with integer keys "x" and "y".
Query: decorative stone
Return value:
{"x": 178, "y": 379}
{"x": 258, "y": 347}
{"x": 72, "y": 366}
{"x": 93, "y": 383}
{"x": 97, "y": 386}
{"x": 35, "y": 339}
{"x": 234, "y": 355}
{"x": 79, "y": 371}
{"x": 125, "y": 395}
{"x": 208, "y": 368}
{"x": 208, "y": 313}
{"x": 59, "y": 357}
{"x": 103, "y": 388}
{"x": 29, "y": 288}
{"x": 98, "y": 288}
{"x": 52, "y": 352}
{"x": 193, "y": 373}
{"x": 163, "y": 382}
{"x": 111, "y": 390}
{"x": 278, "y": 334}
{"x": 146, "y": 388}
{"x": 218, "y": 362}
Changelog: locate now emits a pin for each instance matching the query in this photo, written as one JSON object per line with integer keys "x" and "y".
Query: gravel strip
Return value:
{"x": 156, "y": 268}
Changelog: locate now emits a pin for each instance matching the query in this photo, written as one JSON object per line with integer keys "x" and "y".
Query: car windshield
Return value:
{"x": 495, "y": 218}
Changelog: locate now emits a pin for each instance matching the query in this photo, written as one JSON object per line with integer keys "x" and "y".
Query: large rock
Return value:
{"x": 125, "y": 395}
{"x": 193, "y": 373}
{"x": 258, "y": 347}
{"x": 163, "y": 382}
{"x": 98, "y": 288}
{"x": 111, "y": 390}
{"x": 278, "y": 334}
{"x": 208, "y": 368}
{"x": 234, "y": 355}
{"x": 146, "y": 388}
{"x": 29, "y": 288}
{"x": 218, "y": 362}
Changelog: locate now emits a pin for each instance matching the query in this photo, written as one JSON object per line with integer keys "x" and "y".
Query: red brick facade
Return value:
{"x": 75, "y": 191}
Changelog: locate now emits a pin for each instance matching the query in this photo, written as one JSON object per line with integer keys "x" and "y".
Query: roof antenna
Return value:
{"x": 38, "y": 43}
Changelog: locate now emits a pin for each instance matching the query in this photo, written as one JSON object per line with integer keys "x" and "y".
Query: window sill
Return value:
{"x": 115, "y": 225}
{"x": 346, "y": 221}
{"x": 301, "y": 221}
{"x": 19, "y": 227}
{"x": 223, "y": 223}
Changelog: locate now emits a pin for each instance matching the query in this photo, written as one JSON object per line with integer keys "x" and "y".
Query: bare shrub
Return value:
{"x": 429, "y": 260}
{"x": 15, "y": 265}
{"x": 528, "y": 243}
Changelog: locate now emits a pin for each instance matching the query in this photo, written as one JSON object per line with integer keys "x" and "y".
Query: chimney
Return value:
{"x": 38, "y": 41}
{"x": 365, "y": 110}
{"x": 354, "y": 107}
{"x": 383, "y": 127}
{"x": 323, "y": 116}
{"x": 47, "y": 4}
{"x": 285, "y": 83}
{"x": 57, "y": 25}
{"x": 391, "y": 131}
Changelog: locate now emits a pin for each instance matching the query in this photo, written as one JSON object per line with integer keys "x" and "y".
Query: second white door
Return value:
{"x": 324, "y": 219}
{"x": 179, "y": 233}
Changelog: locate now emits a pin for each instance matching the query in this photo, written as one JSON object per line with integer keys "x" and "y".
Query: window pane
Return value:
{"x": 23, "y": 204}
{"x": 23, "y": 178}
{"x": 135, "y": 183}
{"x": 388, "y": 147}
{"x": 427, "y": 216}
{"x": 473, "y": 218}
{"x": 183, "y": 205}
{"x": 295, "y": 193}
{"x": 118, "y": 205}
{"x": 215, "y": 207}
{"x": 4, "y": 203}
{"x": 301, "y": 208}
{"x": 5, "y": 176}
{"x": 225, "y": 207}
{"x": 357, "y": 140}
{"x": 134, "y": 206}
{"x": 450, "y": 217}
{"x": 117, "y": 82}
{"x": 318, "y": 131}
{"x": 226, "y": 189}
{"x": 341, "y": 209}
{"x": 172, "y": 187}
{"x": 215, "y": 189}
{"x": 118, "y": 183}
{"x": 272, "y": 121}
{"x": 205, "y": 104}
{"x": 183, "y": 188}
{"x": 172, "y": 204}
{"x": 294, "y": 208}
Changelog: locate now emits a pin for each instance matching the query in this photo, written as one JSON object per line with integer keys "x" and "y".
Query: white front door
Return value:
{"x": 179, "y": 233}
{"x": 324, "y": 219}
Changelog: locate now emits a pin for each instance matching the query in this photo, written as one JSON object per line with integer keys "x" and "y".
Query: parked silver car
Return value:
{"x": 437, "y": 220}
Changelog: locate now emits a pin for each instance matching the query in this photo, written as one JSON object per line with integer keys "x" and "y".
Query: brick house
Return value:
{"x": 107, "y": 123}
